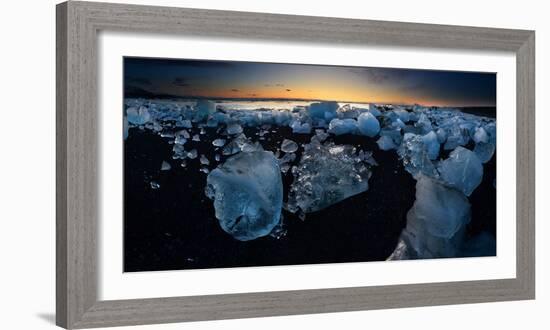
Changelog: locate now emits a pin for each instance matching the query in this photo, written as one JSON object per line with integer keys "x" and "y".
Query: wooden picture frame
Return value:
{"x": 78, "y": 24}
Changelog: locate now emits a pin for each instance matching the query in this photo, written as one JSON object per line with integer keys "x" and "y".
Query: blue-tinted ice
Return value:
{"x": 247, "y": 191}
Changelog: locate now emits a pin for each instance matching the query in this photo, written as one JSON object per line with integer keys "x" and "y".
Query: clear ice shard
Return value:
{"x": 180, "y": 139}
{"x": 289, "y": 146}
{"x": 138, "y": 115}
{"x": 368, "y": 124}
{"x": 204, "y": 160}
{"x": 192, "y": 154}
{"x": 415, "y": 156}
{"x": 326, "y": 174}
{"x": 235, "y": 145}
{"x": 247, "y": 191}
{"x": 165, "y": 166}
{"x": 218, "y": 142}
{"x": 285, "y": 160}
{"x": 456, "y": 136}
{"x": 435, "y": 224}
{"x": 462, "y": 170}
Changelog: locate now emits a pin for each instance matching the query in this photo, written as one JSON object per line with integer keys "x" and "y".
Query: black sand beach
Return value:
{"x": 174, "y": 227}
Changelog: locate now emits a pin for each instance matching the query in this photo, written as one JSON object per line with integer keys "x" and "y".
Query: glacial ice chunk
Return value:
{"x": 444, "y": 210}
{"x": 403, "y": 115}
{"x": 180, "y": 139}
{"x": 203, "y": 109}
{"x": 204, "y": 160}
{"x": 234, "y": 128}
{"x": 484, "y": 151}
{"x": 432, "y": 145}
{"x": 326, "y": 174}
{"x": 374, "y": 110}
{"x": 386, "y": 143}
{"x": 480, "y": 135}
{"x": 178, "y": 152}
{"x": 441, "y": 135}
{"x": 138, "y": 116}
{"x": 323, "y": 110}
{"x": 321, "y": 135}
{"x": 299, "y": 128}
{"x": 247, "y": 191}
{"x": 368, "y": 124}
{"x": 394, "y": 134}
{"x": 424, "y": 124}
{"x": 218, "y": 142}
{"x": 456, "y": 135}
{"x": 250, "y": 146}
{"x": 165, "y": 166}
{"x": 491, "y": 130}
{"x": 184, "y": 133}
{"x": 435, "y": 223}
{"x": 284, "y": 162}
{"x": 342, "y": 126}
{"x": 234, "y": 146}
{"x": 415, "y": 156}
{"x": 462, "y": 170}
{"x": 289, "y": 146}
{"x": 192, "y": 154}
{"x": 186, "y": 123}
{"x": 125, "y": 127}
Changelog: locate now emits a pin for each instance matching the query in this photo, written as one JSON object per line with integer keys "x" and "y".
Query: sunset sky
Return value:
{"x": 252, "y": 80}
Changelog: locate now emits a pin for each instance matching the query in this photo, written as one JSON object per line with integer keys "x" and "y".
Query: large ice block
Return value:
{"x": 247, "y": 191}
{"x": 368, "y": 124}
{"x": 435, "y": 224}
{"x": 462, "y": 170}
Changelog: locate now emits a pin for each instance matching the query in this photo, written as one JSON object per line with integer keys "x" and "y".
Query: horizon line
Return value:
{"x": 164, "y": 96}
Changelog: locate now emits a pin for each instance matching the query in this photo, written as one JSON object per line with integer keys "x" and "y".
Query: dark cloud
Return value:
{"x": 181, "y": 82}
{"x": 234, "y": 90}
{"x": 138, "y": 81}
{"x": 267, "y": 85}
{"x": 375, "y": 75}
{"x": 279, "y": 85}
{"x": 145, "y": 61}
{"x": 288, "y": 90}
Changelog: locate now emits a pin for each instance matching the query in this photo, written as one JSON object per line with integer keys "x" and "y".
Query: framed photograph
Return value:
{"x": 216, "y": 165}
